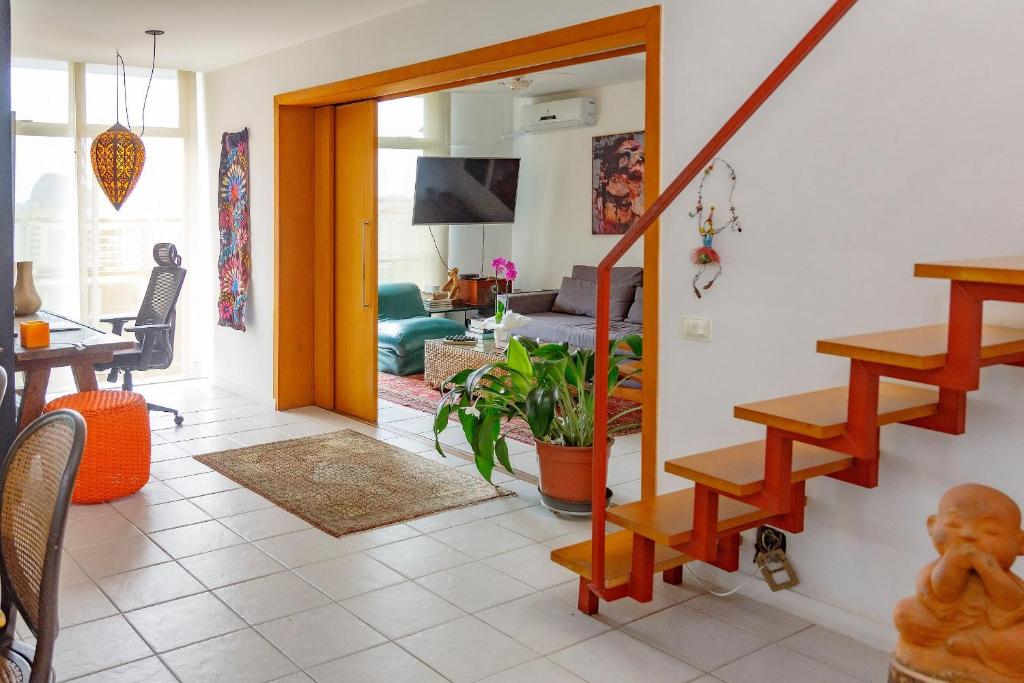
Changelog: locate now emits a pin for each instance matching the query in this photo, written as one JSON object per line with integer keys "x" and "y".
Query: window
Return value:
{"x": 90, "y": 261}
{"x": 407, "y": 129}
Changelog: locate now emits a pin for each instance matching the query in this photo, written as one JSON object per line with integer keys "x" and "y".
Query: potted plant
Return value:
{"x": 552, "y": 388}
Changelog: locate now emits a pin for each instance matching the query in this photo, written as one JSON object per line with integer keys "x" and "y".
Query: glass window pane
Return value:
{"x": 100, "y": 94}
{"x": 46, "y": 220}
{"x": 403, "y": 118}
{"x": 39, "y": 90}
{"x": 406, "y": 252}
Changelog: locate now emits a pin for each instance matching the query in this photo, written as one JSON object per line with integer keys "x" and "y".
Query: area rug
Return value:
{"x": 344, "y": 482}
{"x": 413, "y": 392}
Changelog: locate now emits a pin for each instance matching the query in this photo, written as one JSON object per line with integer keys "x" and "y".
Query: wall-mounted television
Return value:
{"x": 465, "y": 190}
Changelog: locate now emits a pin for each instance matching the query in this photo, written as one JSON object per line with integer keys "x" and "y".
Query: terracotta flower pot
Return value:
{"x": 566, "y": 474}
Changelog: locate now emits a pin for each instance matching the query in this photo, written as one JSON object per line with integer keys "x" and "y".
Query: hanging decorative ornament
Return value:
{"x": 708, "y": 261}
{"x": 117, "y": 154}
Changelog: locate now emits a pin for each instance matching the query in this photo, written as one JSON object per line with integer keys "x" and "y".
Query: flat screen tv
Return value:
{"x": 465, "y": 190}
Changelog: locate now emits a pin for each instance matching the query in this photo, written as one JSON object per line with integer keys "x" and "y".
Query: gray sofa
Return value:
{"x": 568, "y": 314}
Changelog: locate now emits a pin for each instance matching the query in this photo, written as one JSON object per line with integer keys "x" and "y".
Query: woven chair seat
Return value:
{"x": 14, "y": 668}
{"x": 116, "y": 459}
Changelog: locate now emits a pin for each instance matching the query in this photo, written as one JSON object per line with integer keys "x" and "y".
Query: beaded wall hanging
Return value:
{"x": 706, "y": 258}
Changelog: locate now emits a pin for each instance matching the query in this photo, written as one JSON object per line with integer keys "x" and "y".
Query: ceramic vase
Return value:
{"x": 26, "y": 298}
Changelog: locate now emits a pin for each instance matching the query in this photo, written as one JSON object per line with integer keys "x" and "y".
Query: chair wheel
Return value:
{"x": 178, "y": 419}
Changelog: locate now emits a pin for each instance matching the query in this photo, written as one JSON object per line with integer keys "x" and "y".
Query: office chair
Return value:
{"x": 154, "y": 324}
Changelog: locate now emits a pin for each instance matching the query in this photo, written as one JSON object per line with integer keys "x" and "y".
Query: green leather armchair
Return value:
{"x": 402, "y": 327}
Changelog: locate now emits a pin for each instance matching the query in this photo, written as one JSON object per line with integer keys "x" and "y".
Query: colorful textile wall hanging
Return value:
{"x": 617, "y": 182}
{"x": 233, "y": 263}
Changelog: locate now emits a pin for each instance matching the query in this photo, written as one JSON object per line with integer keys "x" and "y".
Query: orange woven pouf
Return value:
{"x": 115, "y": 462}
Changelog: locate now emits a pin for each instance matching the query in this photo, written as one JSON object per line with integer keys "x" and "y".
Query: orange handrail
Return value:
{"x": 685, "y": 177}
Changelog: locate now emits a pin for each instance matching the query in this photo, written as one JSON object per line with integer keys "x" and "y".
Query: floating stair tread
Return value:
{"x": 1000, "y": 270}
{"x": 822, "y": 414}
{"x": 618, "y": 554}
{"x": 668, "y": 519}
{"x": 920, "y": 348}
{"x": 739, "y": 470}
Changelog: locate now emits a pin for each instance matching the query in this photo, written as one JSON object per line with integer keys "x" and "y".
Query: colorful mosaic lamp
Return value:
{"x": 117, "y": 154}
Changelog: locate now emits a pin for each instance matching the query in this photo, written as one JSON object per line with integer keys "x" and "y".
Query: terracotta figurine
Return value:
{"x": 451, "y": 286}
{"x": 966, "y": 622}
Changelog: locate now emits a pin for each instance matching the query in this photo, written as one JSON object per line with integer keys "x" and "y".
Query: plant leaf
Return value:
{"x": 501, "y": 451}
{"x": 540, "y": 410}
{"x": 518, "y": 359}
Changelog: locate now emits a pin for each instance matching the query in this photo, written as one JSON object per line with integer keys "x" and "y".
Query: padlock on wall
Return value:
{"x": 770, "y": 558}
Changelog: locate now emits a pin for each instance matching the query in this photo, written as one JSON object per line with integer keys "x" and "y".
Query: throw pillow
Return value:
{"x": 579, "y": 297}
{"x": 621, "y": 275}
{"x": 636, "y": 311}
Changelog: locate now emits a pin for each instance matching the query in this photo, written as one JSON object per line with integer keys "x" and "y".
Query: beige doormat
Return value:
{"x": 345, "y": 481}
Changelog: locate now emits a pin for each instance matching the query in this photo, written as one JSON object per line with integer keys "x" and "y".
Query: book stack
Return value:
{"x": 436, "y": 302}
{"x": 478, "y": 331}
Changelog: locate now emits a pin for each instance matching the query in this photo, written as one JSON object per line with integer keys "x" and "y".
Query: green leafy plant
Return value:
{"x": 550, "y": 386}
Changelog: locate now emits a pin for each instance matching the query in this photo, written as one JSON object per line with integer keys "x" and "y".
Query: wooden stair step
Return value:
{"x": 920, "y": 348}
{"x": 668, "y": 519}
{"x": 739, "y": 470}
{"x": 1000, "y": 270}
{"x": 618, "y": 558}
{"x": 822, "y": 414}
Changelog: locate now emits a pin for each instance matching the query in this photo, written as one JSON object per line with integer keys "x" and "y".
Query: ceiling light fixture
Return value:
{"x": 117, "y": 154}
{"x": 517, "y": 85}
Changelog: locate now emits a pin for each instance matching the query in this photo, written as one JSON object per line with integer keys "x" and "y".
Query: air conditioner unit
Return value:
{"x": 572, "y": 113}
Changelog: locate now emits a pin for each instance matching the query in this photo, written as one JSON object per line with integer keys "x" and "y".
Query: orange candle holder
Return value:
{"x": 35, "y": 334}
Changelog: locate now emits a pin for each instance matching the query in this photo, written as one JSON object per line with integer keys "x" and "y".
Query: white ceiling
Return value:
{"x": 201, "y": 35}
{"x": 576, "y": 77}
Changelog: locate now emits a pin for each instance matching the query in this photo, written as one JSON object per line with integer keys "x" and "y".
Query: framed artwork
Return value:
{"x": 617, "y": 182}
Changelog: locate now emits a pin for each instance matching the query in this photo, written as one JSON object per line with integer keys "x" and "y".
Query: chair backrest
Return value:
{"x": 3, "y": 383}
{"x": 36, "y": 479}
{"x": 158, "y": 306}
{"x": 398, "y": 301}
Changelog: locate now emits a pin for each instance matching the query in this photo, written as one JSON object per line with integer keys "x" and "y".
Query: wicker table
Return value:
{"x": 441, "y": 360}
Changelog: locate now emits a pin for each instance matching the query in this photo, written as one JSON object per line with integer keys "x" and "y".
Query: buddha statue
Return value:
{"x": 966, "y": 622}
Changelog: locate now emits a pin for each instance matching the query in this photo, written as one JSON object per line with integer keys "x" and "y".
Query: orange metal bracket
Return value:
{"x": 664, "y": 200}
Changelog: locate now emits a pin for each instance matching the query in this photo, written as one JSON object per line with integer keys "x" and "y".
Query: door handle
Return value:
{"x": 366, "y": 224}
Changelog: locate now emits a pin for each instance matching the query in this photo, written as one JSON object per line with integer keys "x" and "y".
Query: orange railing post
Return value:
{"x": 685, "y": 177}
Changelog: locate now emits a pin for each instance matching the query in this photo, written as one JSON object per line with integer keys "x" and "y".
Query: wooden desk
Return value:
{"x": 72, "y": 344}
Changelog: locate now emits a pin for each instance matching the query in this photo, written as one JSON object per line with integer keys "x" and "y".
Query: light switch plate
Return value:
{"x": 698, "y": 329}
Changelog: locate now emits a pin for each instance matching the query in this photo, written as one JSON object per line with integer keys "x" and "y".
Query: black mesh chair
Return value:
{"x": 154, "y": 324}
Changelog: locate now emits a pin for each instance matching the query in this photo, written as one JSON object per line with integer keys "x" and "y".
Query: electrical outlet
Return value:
{"x": 698, "y": 329}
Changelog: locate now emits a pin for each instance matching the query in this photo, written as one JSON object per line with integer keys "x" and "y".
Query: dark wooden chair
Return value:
{"x": 36, "y": 478}
{"x": 153, "y": 324}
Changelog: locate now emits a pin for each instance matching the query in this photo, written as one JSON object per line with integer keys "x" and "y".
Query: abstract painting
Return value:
{"x": 234, "y": 263}
{"x": 617, "y": 182}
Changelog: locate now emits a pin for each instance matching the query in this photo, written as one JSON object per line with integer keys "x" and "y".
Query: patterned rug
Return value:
{"x": 412, "y": 392}
{"x": 344, "y": 482}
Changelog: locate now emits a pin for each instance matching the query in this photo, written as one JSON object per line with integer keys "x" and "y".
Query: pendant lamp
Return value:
{"x": 117, "y": 154}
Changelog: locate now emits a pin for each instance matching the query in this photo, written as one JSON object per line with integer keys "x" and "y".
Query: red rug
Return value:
{"x": 412, "y": 392}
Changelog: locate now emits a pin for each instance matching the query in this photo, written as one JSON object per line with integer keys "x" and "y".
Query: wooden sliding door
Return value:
{"x": 355, "y": 260}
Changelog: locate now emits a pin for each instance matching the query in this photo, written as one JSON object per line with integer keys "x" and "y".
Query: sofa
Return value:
{"x": 403, "y": 325}
{"x": 568, "y": 314}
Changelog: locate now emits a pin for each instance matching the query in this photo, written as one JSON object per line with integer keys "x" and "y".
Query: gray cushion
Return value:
{"x": 636, "y": 311}
{"x": 626, "y": 275}
{"x": 574, "y": 329}
{"x": 576, "y": 297}
{"x": 579, "y": 297}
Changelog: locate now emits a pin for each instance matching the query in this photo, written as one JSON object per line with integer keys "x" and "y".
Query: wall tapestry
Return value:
{"x": 233, "y": 263}
{"x": 617, "y": 182}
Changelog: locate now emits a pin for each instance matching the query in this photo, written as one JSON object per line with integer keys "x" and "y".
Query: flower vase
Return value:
{"x": 26, "y": 298}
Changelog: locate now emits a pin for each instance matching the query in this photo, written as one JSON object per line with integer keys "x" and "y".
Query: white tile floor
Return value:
{"x": 195, "y": 579}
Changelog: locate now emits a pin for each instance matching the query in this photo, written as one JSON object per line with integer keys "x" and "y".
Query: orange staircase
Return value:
{"x": 832, "y": 432}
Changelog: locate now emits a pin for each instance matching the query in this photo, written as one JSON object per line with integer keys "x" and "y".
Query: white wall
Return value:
{"x": 553, "y": 218}
{"x": 898, "y": 140}
{"x": 478, "y": 121}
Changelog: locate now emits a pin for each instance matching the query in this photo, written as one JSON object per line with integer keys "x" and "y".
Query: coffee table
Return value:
{"x": 442, "y": 360}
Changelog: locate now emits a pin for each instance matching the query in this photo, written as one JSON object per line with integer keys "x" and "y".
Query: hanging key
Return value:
{"x": 770, "y": 558}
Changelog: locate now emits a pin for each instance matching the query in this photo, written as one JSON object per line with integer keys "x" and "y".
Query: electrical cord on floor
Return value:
{"x": 713, "y": 592}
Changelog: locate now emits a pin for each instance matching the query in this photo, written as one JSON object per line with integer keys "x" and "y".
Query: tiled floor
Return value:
{"x": 195, "y": 579}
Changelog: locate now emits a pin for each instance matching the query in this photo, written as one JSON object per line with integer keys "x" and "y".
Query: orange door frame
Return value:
{"x": 301, "y": 335}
